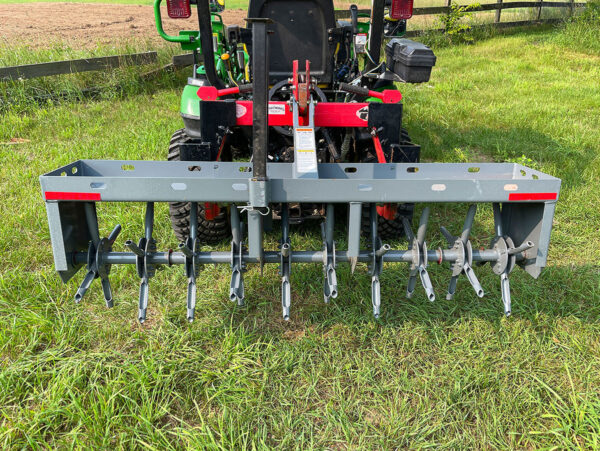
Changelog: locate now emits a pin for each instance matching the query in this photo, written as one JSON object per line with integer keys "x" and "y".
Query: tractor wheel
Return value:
{"x": 388, "y": 229}
{"x": 208, "y": 231}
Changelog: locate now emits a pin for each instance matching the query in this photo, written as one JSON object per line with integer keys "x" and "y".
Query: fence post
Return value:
{"x": 572, "y": 7}
{"x": 539, "y": 14}
{"x": 498, "y": 11}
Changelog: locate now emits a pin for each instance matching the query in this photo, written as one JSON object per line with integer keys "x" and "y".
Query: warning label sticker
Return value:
{"x": 306, "y": 156}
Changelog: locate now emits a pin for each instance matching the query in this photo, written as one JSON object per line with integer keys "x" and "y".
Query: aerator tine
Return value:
{"x": 418, "y": 248}
{"x": 330, "y": 290}
{"x": 144, "y": 250}
{"x": 378, "y": 250}
{"x": 236, "y": 286}
{"x": 189, "y": 249}
{"x": 462, "y": 246}
{"x": 507, "y": 257}
{"x": 96, "y": 266}
{"x": 286, "y": 263}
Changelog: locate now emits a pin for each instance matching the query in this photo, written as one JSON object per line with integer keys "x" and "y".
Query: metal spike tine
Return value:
{"x": 330, "y": 284}
{"x": 330, "y": 278}
{"x": 144, "y": 284}
{"x": 421, "y": 232}
{"x": 286, "y": 297}
{"x": 468, "y": 270}
{"x": 408, "y": 230}
{"x": 376, "y": 296}
{"x": 143, "y": 305}
{"x": 329, "y": 223}
{"x": 191, "y": 300}
{"x": 114, "y": 234}
{"x": 497, "y": 219}
{"x": 106, "y": 289}
{"x": 193, "y": 220}
{"x": 236, "y": 286}
{"x": 149, "y": 220}
{"x": 354, "y": 232}
{"x": 134, "y": 248}
{"x": 426, "y": 281}
{"x": 412, "y": 283}
{"x": 191, "y": 254}
{"x": 449, "y": 237}
{"x": 451, "y": 288}
{"x": 505, "y": 286}
{"x": 284, "y": 269}
{"x": 468, "y": 225}
{"x": 85, "y": 285}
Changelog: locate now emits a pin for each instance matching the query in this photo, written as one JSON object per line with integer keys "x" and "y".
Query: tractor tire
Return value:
{"x": 388, "y": 229}
{"x": 208, "y": 231}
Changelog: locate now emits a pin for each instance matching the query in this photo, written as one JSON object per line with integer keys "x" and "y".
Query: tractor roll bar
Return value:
{"x": 376, "y": 32}
{"x": 206, "y": 41}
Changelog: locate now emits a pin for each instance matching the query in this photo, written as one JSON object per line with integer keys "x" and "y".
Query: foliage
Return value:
{"x": 453, "y": 25}
{"x": 582, "y": 31}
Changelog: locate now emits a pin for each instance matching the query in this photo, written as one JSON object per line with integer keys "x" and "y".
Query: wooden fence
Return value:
{"x": 499, "y": 6}
{"x": 73, "y": 66}
{"x": 102, "y": 63}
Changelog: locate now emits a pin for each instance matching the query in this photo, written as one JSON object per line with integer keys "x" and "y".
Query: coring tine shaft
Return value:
{"x": 468, "y": 223}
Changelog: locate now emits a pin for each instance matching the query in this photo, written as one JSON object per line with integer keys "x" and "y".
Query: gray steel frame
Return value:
{"x": 167, "y": 181}
{"x": 158, "y": 181}
{"x": 522, "y": 228}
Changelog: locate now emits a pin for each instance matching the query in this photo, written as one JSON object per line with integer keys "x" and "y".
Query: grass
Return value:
{"x": 449, "y": 374}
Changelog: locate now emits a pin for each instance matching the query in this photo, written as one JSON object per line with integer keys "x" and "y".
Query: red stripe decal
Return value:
{"x": 60, "y": 195}
{"x": 532, "y": 196}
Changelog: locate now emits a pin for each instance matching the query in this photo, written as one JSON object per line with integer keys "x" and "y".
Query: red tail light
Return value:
{"x": 401, "y": 9}
{"x": 179, "y": 9}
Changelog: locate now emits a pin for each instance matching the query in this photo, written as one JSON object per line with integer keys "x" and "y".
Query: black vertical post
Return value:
{"x": 376, "y": 32}
{"x": 260, "y": 97}
{"x": 206, "y": 42}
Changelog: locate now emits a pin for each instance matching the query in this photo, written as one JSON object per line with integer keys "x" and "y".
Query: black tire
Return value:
{"x": 208, "y": 231}
{"x": 388, "y": 229}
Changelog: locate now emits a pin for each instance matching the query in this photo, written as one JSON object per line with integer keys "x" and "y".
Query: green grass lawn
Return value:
{"x": 449, "y": 374}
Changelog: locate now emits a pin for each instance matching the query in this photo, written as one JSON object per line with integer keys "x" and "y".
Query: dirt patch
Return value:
{"x": 81, "y": 25}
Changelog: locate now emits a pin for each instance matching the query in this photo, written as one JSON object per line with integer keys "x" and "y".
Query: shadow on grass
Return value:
{"x": 487, "y": 144}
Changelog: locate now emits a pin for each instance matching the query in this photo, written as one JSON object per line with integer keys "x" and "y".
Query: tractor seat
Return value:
{"x": 300, "y": 31}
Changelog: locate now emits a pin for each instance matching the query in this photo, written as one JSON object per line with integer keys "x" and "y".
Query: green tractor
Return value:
{"x": 339, "y": 55}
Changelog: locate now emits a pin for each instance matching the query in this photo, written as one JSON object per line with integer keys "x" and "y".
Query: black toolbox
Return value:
{"x": 410, "y": 60}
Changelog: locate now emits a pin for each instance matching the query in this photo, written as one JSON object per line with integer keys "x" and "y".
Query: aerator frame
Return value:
{"x": 523, "y": 200}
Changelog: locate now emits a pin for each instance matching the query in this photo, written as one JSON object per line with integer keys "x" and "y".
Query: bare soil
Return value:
{"x": 81, "y": 25}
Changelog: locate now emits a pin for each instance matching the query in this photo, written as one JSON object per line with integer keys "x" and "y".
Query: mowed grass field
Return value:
{"x": 448, "y": 374}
